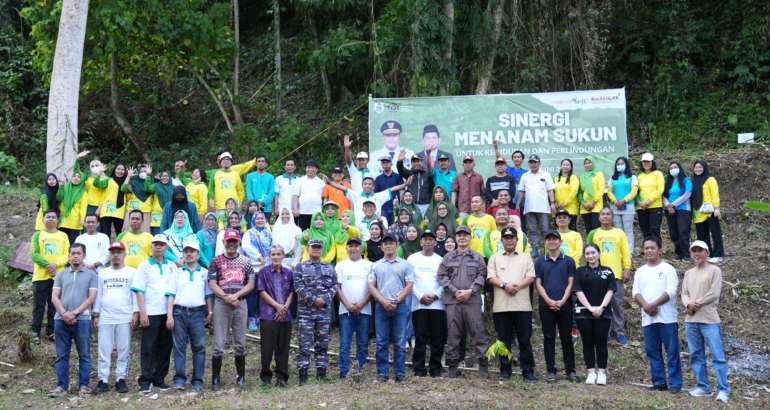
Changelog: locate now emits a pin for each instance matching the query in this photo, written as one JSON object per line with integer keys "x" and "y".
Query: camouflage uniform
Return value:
{"x": 313, "y": 281}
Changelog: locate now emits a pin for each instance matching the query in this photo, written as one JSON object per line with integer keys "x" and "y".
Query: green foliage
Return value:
{"x": 758, "y": 206}
{"x": 8, "y": 167}
{"x": 498, "y": 348}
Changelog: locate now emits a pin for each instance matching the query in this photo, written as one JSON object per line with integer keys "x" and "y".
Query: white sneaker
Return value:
{"x": 591, "y": 379}
{"x": 723, "y": 396}
{"x": 698, "y": 392}
{"x": 715, "y": 260}
{"x": 601, "y": 379}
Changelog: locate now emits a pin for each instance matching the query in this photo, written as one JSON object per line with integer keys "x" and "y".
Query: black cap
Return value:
{"x": 391, "y": 237}
{"x": 311, "y": 163}
{"x": 429, "y": 128}
{"x": 390, "y": 125}
{"x": 534, "y": 157}
{"x": 562, "y": 212}
{"x": 416, "y": 157}
{"x": 427, "y": 232}
{"x": 354, "y": 239}
{"x": 337, "y": 168}
{"x": 463, "y": 228}
{"x": 315, "y": 242}
{"x": 509, "y": 232}
{"x": 553, "y": 233}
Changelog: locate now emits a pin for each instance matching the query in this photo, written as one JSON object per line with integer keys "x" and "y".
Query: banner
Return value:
{"x": 553, "y": 126}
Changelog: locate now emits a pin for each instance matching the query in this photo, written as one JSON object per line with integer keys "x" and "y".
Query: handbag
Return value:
{"x": 706, "y": 208}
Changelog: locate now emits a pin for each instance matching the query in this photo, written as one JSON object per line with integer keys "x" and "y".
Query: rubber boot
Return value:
{"x": 240, "y": 368}
{"x": 321, "y": 374}
{"x": 454, "y": 372}
{"x": 483, "y": 368}
{"x": 302, "y": 377}
{"x": 216, "y": 368}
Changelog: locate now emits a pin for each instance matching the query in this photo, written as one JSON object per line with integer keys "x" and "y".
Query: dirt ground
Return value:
{"x": 744, "y": 306}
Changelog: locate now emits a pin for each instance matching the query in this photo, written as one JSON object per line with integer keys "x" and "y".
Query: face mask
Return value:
{"x": 94, "y": 170}
{"x": 142, "y": 175}
{"x": 621, "y": 168}
{"x": 674, "y": 172}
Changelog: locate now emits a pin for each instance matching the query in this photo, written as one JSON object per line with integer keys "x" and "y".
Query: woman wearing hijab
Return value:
{"x": 181, "y": 233}
{"x": 591, "y": 194}
{"x": 412, "y": 243}
{"x": 373, "y": 252}
{"x": 347, "y": 230}
{"x": 402, "y": 222}
{"x": 74, "y": 204}
{"x": 233, "y": 222}
{"x": 138, "y": 199}
{"x": 251, "y": 210}
{"x": 178, "y": 203}
{"x": 318, "y": 231}
{"x": 47, "y": 199}
{"x": 331, "y": 222}
{"x": 407, "y": 203}
{"x": 198, "y": 189}
{"x": 622, "y": 189}
{"x": 432, "y": 213}
{"x": 256, "y": 245}
{"x": 208, "y": 231}
{"x": 566, "y": 190}
{"x": 441, "y": 235}
{"x": 286, "y": 233}
{"x": 676, "y": 204}
{"x": 112, "y": 210}
{"x": 231, "y": 205}
{"x": 705, "y": 210}
{"x": 163, "y": 189}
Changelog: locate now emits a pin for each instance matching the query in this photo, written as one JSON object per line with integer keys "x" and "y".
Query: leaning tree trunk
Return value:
{"x": 449, "y": 12}
{"x": 62, "y": 129}
{"x": 324, "y": 75}
{"x": 492, "y": 40}
{"x": 278, "y": 86}
{"x": 117, "y": 113}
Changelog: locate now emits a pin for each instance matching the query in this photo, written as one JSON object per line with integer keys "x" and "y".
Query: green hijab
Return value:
{"x": 432, "y": 211}
{"x": 342, "y": 235}
{"x": 73, "y": 193}
{"x": 587, "y": 179}
{"x": 165, "y": 192}
{"x": 410, "y": 247}
{"x": 323, "y": 234}
{"x": 137, "y": 188}
{"x": 332, "y": 224}
{"x": 450, "y": 221}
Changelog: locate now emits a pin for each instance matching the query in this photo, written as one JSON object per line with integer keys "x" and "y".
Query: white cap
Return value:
{"x": 193, "y": 245}
{"x": 647, "y": 157}
{"x": 362, "y": 155}
{"x": 699, "y": 244}
{"x": 160, "y": 238}
{"x": 225, "y": 155}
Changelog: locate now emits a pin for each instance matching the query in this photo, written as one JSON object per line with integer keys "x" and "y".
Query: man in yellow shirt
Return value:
{"x": 50, "y": 252}
{"x": 224, "y": 184}
{"x": 479, "y": 223}
{"x": 137, "y": 241}
{"x": 571, "y": 241}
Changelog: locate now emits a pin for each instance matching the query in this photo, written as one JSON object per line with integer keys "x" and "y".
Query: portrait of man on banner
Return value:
{"x": 431, "y": 138}
{"x": 391, "y": 138}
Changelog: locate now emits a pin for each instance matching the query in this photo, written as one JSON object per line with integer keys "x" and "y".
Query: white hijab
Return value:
{"x": 286, "y": 234}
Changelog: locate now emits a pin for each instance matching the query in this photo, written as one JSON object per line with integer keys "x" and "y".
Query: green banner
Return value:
{"x": 553, "y": 126}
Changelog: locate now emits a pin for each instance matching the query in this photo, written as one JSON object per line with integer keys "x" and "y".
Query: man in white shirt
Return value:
{"x": 284, "y": 188}
{"x": 391, "y": 138}
{"x": 355, "y": 309}
{"x": 118, "y": 315}
{"x": 358, "y": 167}
{"x": 363, "y": 224}
{"x": 368, "y": 195}
{"x": 191, "y": 303}
{"x": 149, "y": 286}
{"x": 539, "y": 186}
{"x": 655, "y": 291}
{"x": 96, "y": 243}
{"x": 428, "y": 314}
{"x": 308, "y": 195}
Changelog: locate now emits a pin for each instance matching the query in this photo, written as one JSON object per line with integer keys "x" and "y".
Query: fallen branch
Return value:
{"x": 640, "y": 384}
{"x": 738, "y": 282}
{"x": 7, "y": 364}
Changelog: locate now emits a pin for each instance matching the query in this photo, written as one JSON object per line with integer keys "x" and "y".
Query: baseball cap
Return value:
{"x": 368, "y": 201}
{"x": 386, "y": 157}
{"x": 117, "y": 245}
{"x": 499, "y": 160}
{"x": 699, "y": 244}
{"x": 225, "y": 155}
{"x": 390, "y": 127}
{"x": 534, "y": 157}
{"x": 232, "y": 234}
{"x": 337, "y": 168}
{"x": 389, "y": 236}
{"x": 427, "y": 232}
{"x": 443, "y": 156}
{"x": 160, "y": 238}
{"x": 463, "y": 228}
{"x": 315, "y": 242}
{"x": 362, "y": 155}
{"x": 648, "y": 157}
{"x": 553, "y": 233}
{"x": 509, "y": 232}
{"x": 416, "y": 157}
{"x": 354, "y": 239}
{"x": 562, "y": 212}
{"x": 192, "y": 245}
{"x": 468, "y": 158}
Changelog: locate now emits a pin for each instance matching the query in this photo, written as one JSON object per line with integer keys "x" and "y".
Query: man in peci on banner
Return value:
{"x": 391, "y": 137}
{"x": 431, "y": 139}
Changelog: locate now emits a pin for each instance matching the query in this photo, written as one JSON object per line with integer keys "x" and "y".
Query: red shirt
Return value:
{"x": 467, "y": 186}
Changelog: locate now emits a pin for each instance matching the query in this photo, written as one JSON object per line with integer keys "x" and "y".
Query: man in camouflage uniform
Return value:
{"x": 316, "y": 284}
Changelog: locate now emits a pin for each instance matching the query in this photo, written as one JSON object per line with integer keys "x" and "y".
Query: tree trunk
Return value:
{"x": 449, "y": 11}
{"x": 237, "y": 30}
{"x": 324, "y": 74}
{"x": 62, "y": 127}
{"x": 211, "y": 92}
{"x": 488, "y": 57}
{"x": 117, "y": 113}
{"x": 278, "y": 86}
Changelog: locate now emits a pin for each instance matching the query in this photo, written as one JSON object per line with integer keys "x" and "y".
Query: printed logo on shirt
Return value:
{"x": 111, "y": 208}
{"x": 134, "y": 249}
{"x": 156, "y": 218}
{"x": 564, "y": 248}
{"x": 226, "y": 184}
{"x": 51, "y": 249}
{"x": 608, "y": 247}
{"x": 235, "y": 276}
{"x": 499, "y": 246}
{"x": 133, "y": 204}
{"x": 478, "y": 233}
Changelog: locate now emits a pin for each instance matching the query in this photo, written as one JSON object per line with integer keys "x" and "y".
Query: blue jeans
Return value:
{"x": 360, "y": 325}
{"x": 711, "y": 334}
{"x": 81, "y": 332}
{"x": 252, "y": 302}
{"x": 385, "y": 324}
{"x": 189, "y": 325}
{"x": 665, "y": 333}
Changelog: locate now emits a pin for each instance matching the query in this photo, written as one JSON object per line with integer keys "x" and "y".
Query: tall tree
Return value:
{"x": 62, "y": 132}
{"x": 278, "y": 86}
{"x": 495, "y": 11}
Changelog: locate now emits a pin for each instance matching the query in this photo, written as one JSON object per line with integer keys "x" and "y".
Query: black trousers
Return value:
{"x": 117, "y": 223}
{"x": 550, "y": 319}
{"x": 520, "y": 323}
{"x": 42, "y": 290}
{"x": 590, "y": 221}
{"x": 429, "y": 327}
{"x": 275, "y": 341}
{"x": 304, "y": 221}
{"x": 650, "y": 221}
{"x": 679, "y": 231}
{"x": 155, "y": 351}
{"x": 72, "y": 234}
{"x": 594, "y": 334}
{"x": 573, "y": 222}
{"x": 711, "y": 226}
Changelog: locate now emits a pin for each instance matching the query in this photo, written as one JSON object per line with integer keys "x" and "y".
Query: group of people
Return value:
{"x": 412, "y": 256}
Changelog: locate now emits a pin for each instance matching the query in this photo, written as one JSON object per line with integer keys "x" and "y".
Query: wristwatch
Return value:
{"x": 211, "y": 313}
{"x": 76, "y": 312}
{"x": 502, "y": 285}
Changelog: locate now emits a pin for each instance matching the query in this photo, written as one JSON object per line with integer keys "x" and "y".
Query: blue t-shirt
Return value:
{"x": 555, "y": 275}
{"x": 383, "y": 183}
{"x": 516, "y": 174}
{"x": 675, "y": 193}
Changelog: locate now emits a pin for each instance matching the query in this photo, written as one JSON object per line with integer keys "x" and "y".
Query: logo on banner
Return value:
{"x": 379, "y": 107}
{"x": 605, "y": 99}
{"x": 393, "y": 108}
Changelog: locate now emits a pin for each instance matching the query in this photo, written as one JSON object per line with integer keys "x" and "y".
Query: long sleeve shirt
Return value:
{"x": 710, "y": 194}
{"x": 223, "y": 186}
{"x": 421, "y": 186}
{"x": 651, "y": 186}
{"x": 703, "y": 286}
{"x": 614, "y": 246}
{"x": 314, "y": 281}
{"x": 48, "y": 247}
{"x": 462, "y": 271}
{"x": 261, "y": 188}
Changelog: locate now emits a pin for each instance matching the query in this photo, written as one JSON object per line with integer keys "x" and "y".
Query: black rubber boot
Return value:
{"x": 321, "y": 374}
{"x": 240, "y": 368}
{"x": 216, "y": 368}
{"x": 302, "y": 377}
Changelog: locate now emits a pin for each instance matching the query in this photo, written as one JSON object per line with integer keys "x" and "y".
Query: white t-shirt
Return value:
{"x": 426, "y": 280}
{"x": 151, "y": 279}
{"x": 310, "y": 193}
{"x": 115, "y": 302}
{"x": 284, "y": 190}
{"x": 358, "y": 199}
{"x": 651, "y": 282}
{"x": 96, "y": 249}
{"x": 354, "y": 283}
{"x": 189, "y": 288}
{"x": 357, "y": 176}
{"x": 363, "y": 227}
{"x": 537, "y": 186}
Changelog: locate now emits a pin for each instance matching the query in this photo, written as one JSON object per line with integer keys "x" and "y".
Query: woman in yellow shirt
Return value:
{"x": 47, "y": 199}
{"x": 139, "y": 199}
{"x": 74, "y": 203}
{"x": 112, "y": 209}
{"x": 591, "y": 194}
{"x": 649, "y": 202}
{"x": 706, "y": 191}
{"x": 566, "y": 192}
{"x": 197, "y": 190}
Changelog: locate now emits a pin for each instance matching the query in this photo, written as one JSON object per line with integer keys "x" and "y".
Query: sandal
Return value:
{"x": 84, "y": 392}
{"x": 36, "y": 339}
{"x": 551, "y": 378}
